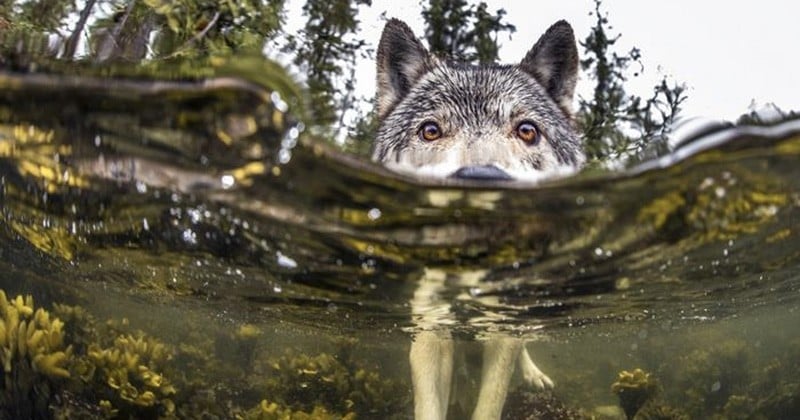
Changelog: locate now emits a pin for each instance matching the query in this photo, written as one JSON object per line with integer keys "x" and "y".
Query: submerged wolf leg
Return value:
{"x": 431, "y": 359}
{"x": 499, "y": 358}
{"x": 431, "y": 353}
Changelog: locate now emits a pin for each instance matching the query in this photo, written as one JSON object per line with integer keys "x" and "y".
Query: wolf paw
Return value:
{"x": 532, "y": 376}
{"x": 538, "y": 380}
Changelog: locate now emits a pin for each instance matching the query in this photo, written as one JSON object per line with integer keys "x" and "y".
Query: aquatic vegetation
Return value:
{"x": 634, "y": 389}
{"x": 340, "y": 383}
{"x": 774, "y": 393}
{"x": 33, "y": 355}
{"x": 130, "y": 367}
{"x": 111, "y": 370}
{"x": 272, "y": 411}
{"x": 710, "y": 375}
{"x": 116, "y": 372}
{"x": 131, "y": 374}
{"x": 522, "y": 404}
{"x": 721, "y": 207}
{"x": 660, "y": 411}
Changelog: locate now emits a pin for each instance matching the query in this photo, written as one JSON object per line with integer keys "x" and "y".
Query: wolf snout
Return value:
{"x": 482, "y": 173}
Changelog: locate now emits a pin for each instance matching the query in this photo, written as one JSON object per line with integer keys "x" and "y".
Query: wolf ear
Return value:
{"x": 553, "y": 62}
{"x": 401, "y": 61}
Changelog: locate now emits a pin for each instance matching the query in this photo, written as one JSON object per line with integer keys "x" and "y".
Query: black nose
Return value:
{"x": 482, "y": 173}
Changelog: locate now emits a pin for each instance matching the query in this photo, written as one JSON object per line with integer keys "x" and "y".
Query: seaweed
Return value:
{"x": 84, "y": 368}
{"x": 661, "y": 411}
{"x": 709, "y": 376}
{"x": 33, "y": 355}
{"x": 338, "y": 382}
{"x": 634, "y": 389}
{"x": 266, "y": 410}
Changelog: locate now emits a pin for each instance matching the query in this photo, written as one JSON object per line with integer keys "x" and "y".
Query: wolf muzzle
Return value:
{"x": 482, "y": 173}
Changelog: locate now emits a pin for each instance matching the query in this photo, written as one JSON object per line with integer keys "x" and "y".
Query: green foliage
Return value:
{"x": 456, "y": 29}
{"x": 361, "y": 135}
{"x": 135, "y": 30}
{"x": 214, "y": 27}
{"x": 486, "y": 29}
{"x": 188, "y": 28}
{"x": 325, "y": 51}
{"x": 615, "y": 123}
{"x": 44, "y": 15}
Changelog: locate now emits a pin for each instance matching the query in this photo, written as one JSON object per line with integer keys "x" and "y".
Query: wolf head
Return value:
{"x": 448, "y": 119}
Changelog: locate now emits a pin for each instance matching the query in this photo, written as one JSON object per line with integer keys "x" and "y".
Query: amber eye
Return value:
{"x": 430, "y": 131}
{"x": 527, "y": 132}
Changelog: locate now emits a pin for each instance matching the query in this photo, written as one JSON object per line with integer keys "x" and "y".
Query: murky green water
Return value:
{"x": 210, "y": 260}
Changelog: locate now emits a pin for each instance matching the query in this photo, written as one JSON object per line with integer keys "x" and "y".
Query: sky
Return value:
{"x": 730, "y": 54}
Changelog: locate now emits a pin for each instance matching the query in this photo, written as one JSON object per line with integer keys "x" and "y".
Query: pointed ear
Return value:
{"x": 553, "y": 62}
{"x": 401, "y": 61}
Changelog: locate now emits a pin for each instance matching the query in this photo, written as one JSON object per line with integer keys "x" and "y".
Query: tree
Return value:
{"x": 185, "y": 28}
{"x": 135, "y": 30}
{"x": 616, "y": 124}
{"x": 326, "y": 51}
{"x": 486, "y": 29}
{"x": 464, "y": 32}
{"x": 32, "y": 29}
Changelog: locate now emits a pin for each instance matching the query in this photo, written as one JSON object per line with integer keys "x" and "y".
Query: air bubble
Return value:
{"x": 374, "y": 214}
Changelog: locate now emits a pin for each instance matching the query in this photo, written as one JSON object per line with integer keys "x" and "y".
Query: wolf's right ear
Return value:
{"x": 401, "y": 61}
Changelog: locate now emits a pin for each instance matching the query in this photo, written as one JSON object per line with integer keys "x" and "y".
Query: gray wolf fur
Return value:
{"x": 477, "y": 110}
{"x": 489, "y": 122}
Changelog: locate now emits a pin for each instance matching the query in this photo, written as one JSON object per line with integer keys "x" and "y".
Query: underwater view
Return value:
{"x": 188, "y": 249}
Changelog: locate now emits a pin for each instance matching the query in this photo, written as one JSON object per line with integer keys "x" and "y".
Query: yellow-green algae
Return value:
{"x": 634, "y": 388}
{"x": 272, "y": 411}
{"x": 339, "y": 382}
{"x": 738, "y": 201}
{"x": 123, "y": 369}
{"x": 33, "y": 355}
{"x": 31, "y": 337}
{"x": 70, "y": 365}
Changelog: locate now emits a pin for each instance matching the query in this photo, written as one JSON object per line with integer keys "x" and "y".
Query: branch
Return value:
{"x": 205, "y": 30}
{"x": 72, "y": 42}
{"x": 110, "y": 46}
{"x": 200, "y": 35}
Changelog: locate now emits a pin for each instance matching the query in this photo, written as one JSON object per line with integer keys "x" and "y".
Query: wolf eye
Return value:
{"x": 430, "y": 131}
{"x": 527, "y": 132}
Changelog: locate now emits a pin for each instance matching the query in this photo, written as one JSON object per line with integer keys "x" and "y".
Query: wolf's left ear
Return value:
{"x": 553, "y": 62}
{"x": 401, "y": 61}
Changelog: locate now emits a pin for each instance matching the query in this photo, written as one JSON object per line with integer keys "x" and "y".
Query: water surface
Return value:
{"x": 277, "y": 271}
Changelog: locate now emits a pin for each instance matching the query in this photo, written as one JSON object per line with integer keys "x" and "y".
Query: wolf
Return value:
{"x": 448, "y": 119}
{"x": 492, "y": 122}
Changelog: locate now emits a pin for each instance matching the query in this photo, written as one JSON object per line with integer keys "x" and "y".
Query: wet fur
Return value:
{"x": 478, "y": 109}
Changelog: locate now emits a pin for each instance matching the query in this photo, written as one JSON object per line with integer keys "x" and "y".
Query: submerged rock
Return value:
{"x": 524, "y": 404}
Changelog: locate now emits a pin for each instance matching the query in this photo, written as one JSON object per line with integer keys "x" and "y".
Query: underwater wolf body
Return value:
{"x": 488, "y": 122}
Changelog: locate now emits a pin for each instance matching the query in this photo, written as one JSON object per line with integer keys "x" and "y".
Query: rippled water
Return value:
{"x": 199, "y": 213}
